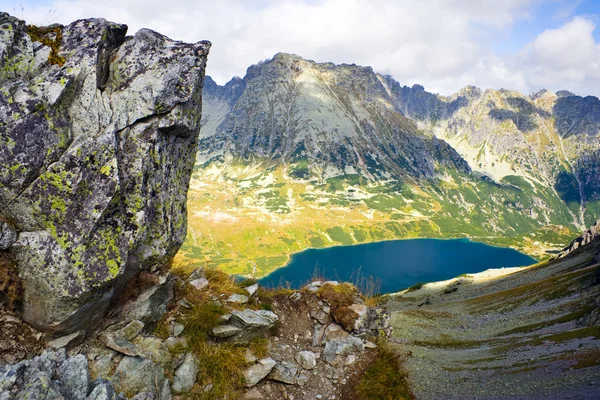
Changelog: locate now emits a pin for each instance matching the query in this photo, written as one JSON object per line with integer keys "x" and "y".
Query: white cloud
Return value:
{"x": 564, "y": 58}
{"x": 436, "y": 43}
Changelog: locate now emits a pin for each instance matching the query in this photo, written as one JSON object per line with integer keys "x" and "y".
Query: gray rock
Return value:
{"x": 137, "y": 374}
{"x": 238, "y": 298}
{"x": 177, "y": 329}
{"x": 165, "y": 391}
{"x": 103, "y": 391}
{"x": 36, "y": 387}
{"x": 115, "y": 341}
{"x": 251, "y": 289}
{"x": 258, "y": 371}
{"x": 306, "y": 359}
{"x": 67, "y": 341}
{"x": 197, "y": 274}
{"x": 152, "y": 303}
{"x": 336, "y": 350}
{"x": 253, "y": 394}
{"x": 75, "y": 377}
{"x": 132, "y": 329}
{"x": 83, "y": 217}
{"x": 245, "y": 325}
{"x": 317, "y": 336}
{"x": 321, "y": 316}
{"x": 154, "y": 349}
{"x": 302, "y": 379}
{"x": 285, "y": 372}
{"x": 8, "y": 235}
{"x": 185, "y": 375}
{"x": 200, "y": 283}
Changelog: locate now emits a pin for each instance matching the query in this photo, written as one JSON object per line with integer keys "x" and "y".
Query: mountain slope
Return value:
{"x": 520, "y": 333}
{"x": 323, "y": 154}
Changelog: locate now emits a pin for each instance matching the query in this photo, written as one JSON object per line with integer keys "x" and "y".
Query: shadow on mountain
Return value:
{"x": 588, "y": 170}
{"x": 523, "y": 117}
{"x": 575, "y": 115}
{"x": 567, "y": 187}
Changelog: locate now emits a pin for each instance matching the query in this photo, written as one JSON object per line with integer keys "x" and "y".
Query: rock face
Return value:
{"x": 97, "y": 146}
{"x": 586, "y": 237}
{"x": 322, "y": 118}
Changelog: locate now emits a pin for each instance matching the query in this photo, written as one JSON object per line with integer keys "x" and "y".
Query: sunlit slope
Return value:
{"x": 248, "y": 219}
{"x": 533, "y": 333}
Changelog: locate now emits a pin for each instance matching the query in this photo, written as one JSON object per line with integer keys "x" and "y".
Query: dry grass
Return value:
{"x": 386, "y": 378}
{"x": 11, "y": 291}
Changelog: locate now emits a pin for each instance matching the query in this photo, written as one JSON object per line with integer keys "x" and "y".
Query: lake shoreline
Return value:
{"x": 393, "y": 248}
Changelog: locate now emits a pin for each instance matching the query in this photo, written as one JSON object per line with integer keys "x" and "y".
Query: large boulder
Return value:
{"x": 97, "y": 145}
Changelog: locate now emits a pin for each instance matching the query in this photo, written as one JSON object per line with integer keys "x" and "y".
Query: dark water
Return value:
{"x": 396, "y": 264}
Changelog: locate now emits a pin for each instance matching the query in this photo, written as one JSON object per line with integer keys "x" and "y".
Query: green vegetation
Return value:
{"x": 250, "y": 220}
{"x": 385, "y": 378}
{"x": 43, "y": 35}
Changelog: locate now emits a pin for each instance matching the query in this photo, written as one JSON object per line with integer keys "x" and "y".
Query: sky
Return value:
{"x": 444, "y": 45}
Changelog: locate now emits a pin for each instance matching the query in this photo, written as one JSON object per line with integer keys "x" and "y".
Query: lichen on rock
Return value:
{"x": 95, "y": 160}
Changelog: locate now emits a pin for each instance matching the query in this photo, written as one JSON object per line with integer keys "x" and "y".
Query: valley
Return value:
{"x": 301, "y": 155}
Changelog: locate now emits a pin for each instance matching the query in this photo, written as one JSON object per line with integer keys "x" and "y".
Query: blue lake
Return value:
{"x": 396, "y": 264}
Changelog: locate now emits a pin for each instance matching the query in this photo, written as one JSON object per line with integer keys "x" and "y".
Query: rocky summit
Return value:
{"x": 97, "y": 144}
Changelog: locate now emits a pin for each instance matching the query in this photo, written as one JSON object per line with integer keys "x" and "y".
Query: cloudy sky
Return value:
{"x": 444, "y": 45}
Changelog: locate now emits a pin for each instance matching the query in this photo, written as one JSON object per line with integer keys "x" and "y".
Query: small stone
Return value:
{"x": 132, "y": 329}
{"x": 258, "y": 371}
{"x": 67, "y": 341}
{"x": 306, "y": 359}
{"x": 296, "y": 296}
{"x": 8, "y": 234}
{"x": 197, "y": 274}
{"x": 185, "y": 375}
{"x": 208, "y": 388}
{"x": 165, "y": 391}
{"x": 284, "y": 372}
{"x": 251, "y": 289}
{"x": 177, "y": 328}
{"x": 136, "y": 375}
{"x": 253, "y": 394}
{"x": 351, "y": 359}
{"x": 370, "y": 345}
{"x": 318, "y": 396}
{"x": 103, "y": 391}
{"x": 200, "y": 283}
{"x": 117, "y": 342}
{"x": 238, "y": 298}
{"x": 301, "y": 379}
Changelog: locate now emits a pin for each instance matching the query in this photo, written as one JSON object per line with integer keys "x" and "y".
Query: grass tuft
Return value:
{"x": 386, "y": 378}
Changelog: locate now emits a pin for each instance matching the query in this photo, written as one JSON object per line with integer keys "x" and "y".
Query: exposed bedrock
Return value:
{"x": 98, "y": 133}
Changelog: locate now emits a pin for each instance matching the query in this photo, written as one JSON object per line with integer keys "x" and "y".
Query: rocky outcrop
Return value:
{"x": 52, "y": 375}
{"x": 586, "y": 237}
{"x": 97, "y": 145}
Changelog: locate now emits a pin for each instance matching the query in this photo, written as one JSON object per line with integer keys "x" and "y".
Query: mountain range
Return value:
{"x": 298, "y": 141}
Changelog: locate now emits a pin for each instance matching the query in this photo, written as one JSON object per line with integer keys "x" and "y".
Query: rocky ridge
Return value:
{"x": 96, "y": 152}
{"x": 307, "y": 353}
